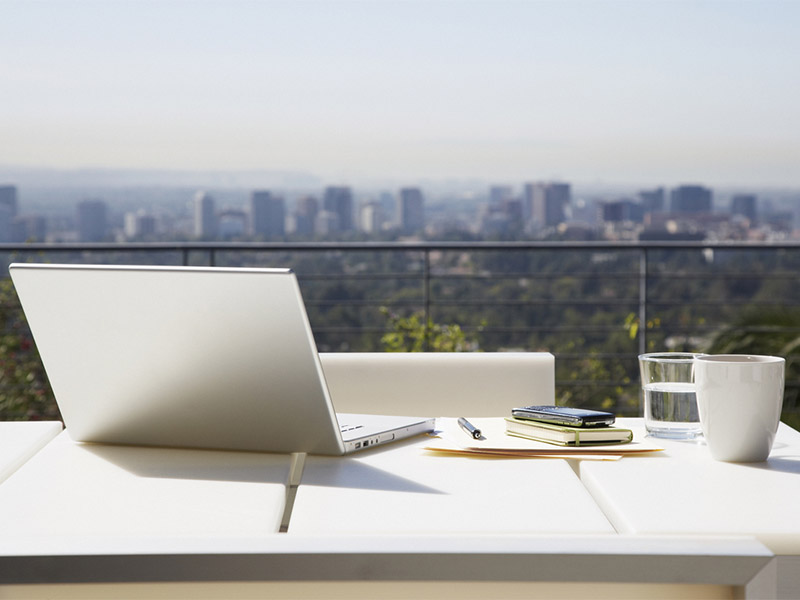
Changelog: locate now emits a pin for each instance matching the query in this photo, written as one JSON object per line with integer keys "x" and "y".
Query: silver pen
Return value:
{"x": 469, "y": 428}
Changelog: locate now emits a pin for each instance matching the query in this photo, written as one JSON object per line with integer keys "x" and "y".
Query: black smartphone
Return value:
{"x": 563, "y": 415}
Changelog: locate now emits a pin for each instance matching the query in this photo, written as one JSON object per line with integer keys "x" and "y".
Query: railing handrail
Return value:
{"x": 395, "y": 245}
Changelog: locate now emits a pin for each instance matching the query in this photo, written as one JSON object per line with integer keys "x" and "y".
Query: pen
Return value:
{"x": 469, "y": 428}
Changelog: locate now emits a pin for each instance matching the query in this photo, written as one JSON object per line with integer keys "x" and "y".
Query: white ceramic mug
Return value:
{"x": 739, "y": 398}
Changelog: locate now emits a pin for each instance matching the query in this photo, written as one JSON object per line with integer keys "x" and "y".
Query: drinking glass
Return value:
{"x": 668, "y": 390}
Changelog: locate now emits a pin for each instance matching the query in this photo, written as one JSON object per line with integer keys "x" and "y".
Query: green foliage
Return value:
{"x": 412, "y": 334}
{"x": 773, "y": 331}
{"x": 25, "y": 393}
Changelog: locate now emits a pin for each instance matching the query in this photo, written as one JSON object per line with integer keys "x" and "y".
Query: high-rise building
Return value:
{"x": 30, "y": 228}
{"x": 267, "y": 214}
{"x": 305, "y": 215}
{"x": 339, "y": 200}
{"x": 498, "y": 194}
{"x": 652, "y": 200}
{"x": 8, "y": 213}
{"x": 371, "y": 217}
{"x": 326, "y": 222}
{"x": 411, "y": 210}
{"x": 618, "y": 211}
{"x": 231, "y": 223}
{"x": 205, "y": 216}
{"x": 745, "y": 205}
{"x": 92, "y": 220}
{"x": 139, "y": 225}
{"x": 545, "y": 204}
{"x": 690, "y": 199}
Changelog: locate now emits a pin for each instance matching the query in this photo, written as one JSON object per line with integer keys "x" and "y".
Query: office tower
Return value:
{"x": 326, "y": 222}
{"x": 389, "y": 205}
{"x": 498, "y": 194}
{"x": 690, "y": 199}
{"x": 305, "y": 215}
{"x": 410, "y": 210}
{"x": 619, "y": 211}
{"x": 8, "y": 198}
{"x": 745, "y": 205}
{"x": 267, "y": 214}
{"x": 339, "y": 200}
{"x": 512, "y": 208}
{"x": 92, "y": 220}
{"x": 545, "y": 204}
{"x": 139, "y": 225}
{"x": 371, "y": 217}
{"x": 205, "y": 216}
{"x": 8, "y": 212}
{"x": 231, "y": 223}
{"x": 652, "y": 200}
{"x": 30, "y": 228}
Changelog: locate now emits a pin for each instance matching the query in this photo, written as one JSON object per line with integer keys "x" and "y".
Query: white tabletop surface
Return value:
{"x": 77, "y": 513}
{"x": 20, "y": 440}
{"x": 401, "y": 488}
{"x": 684, "y": 491}
{"x": 70, "y": 492}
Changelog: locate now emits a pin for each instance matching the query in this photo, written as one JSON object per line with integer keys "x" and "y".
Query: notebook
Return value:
{"x": 192, "y": 357}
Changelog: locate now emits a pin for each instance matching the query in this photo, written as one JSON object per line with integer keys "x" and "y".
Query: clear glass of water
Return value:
{"x": 670, "y": 404}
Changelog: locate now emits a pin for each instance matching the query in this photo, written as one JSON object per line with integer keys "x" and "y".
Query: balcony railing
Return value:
{"x": 595, "y": 305}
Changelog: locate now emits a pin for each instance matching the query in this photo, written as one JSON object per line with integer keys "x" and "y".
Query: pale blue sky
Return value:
{"x": 637, "y": 91}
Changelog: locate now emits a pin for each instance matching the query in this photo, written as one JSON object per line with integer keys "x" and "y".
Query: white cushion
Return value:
{"x": 441, "y": 384}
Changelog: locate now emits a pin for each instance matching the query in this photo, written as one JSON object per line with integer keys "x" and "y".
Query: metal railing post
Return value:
{"x": 643, "y": 301}
{"x": 426, "y": 296}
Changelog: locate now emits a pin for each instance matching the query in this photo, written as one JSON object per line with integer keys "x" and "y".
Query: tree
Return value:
{"x": 412, "y": 334}
{"x": 25, "y": 392}
{"x": 772, "y": 331}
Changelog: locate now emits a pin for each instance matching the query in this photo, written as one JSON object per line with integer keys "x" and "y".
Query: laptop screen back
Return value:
{"x": 180, "y": 356}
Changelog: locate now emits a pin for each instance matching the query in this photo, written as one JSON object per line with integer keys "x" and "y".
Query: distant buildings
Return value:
{"x": 92, "y": 221}
{"x": 618, "y": 211}
{"x": 267, "y": 215}
{"x": 745, "y": 205}
{"x": 410, "y": 211}
{"x": 205, "y": 216}
{"x": 652, "y": 200}
{"x": 536, "y": 210}
{"x": 371, "y": 218}
{"x": 231, "y": 223}
{"x": 690, "y": 199}
{"x": 8, "y": 213}
{"x": 139, "y": 225}
{"x": 338, "y": 201}
{"x": 545, "y": 204}
{"x": 306, "y": 209}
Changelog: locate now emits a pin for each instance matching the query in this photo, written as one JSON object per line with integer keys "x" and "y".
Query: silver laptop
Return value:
{"x": 189, "y": 357}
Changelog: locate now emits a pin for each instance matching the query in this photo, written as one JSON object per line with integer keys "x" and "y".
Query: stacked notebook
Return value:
{"x": 563, "y": 435}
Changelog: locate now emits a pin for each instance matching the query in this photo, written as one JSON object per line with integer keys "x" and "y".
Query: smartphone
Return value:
{"x": 563, "y": 415}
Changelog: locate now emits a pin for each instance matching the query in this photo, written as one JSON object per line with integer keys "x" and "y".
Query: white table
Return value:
{"x": 683, "y": 491}
{"x": 71, "y": 494}
{"x": 112, "y": 521}
{"x": 401, "y": 488}
{"x": 20, "y": 440}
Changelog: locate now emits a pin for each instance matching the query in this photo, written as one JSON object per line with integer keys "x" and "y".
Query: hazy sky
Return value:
{"x": 637, "y": 91}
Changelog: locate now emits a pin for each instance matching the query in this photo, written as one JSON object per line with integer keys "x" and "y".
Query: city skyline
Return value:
{"x": 619, "y": 92}
{"x": 537, "y": 210}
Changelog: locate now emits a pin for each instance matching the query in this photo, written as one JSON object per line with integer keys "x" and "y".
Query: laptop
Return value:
{"x": 191, "y": 357}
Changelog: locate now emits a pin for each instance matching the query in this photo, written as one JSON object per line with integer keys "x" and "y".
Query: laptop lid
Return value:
{"x": 180, "y": 356}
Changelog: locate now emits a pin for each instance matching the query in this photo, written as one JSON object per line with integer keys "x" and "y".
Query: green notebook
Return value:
{"x": 567, "y": 436}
